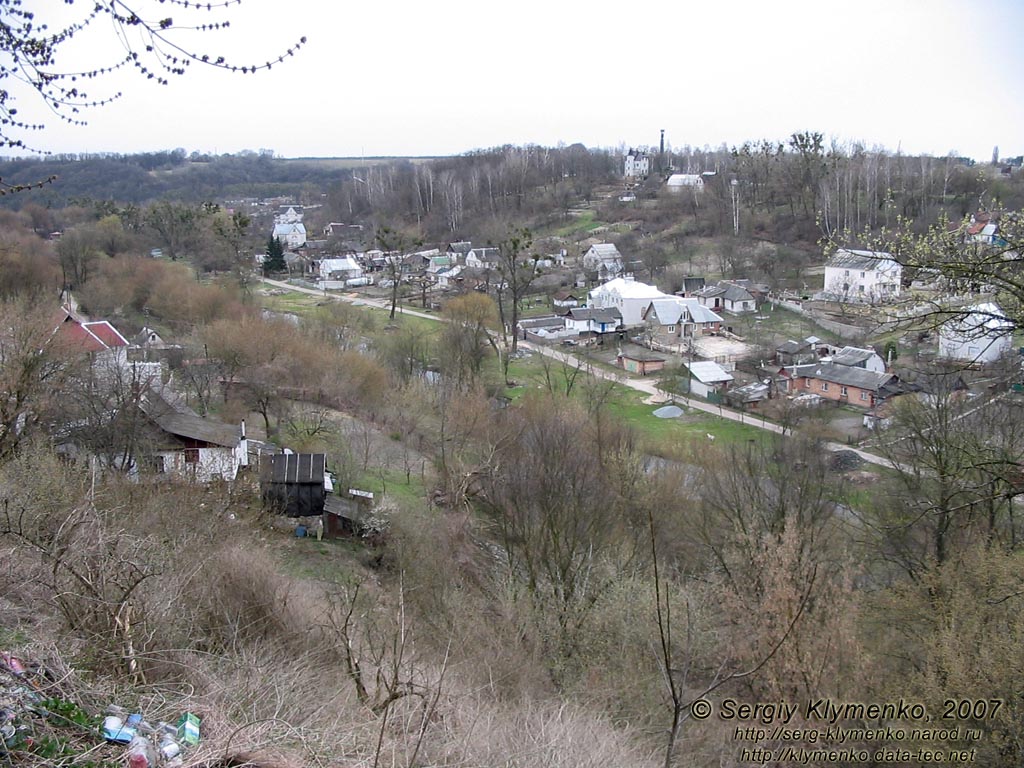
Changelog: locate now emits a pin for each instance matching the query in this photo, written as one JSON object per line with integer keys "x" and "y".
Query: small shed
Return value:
{"x": 642, "y": 363}
{"x": 749, "y": 395}
{"x": 294, "y": 484}
{"x": 346, "y": 515}
{"x": 707, "y": 377}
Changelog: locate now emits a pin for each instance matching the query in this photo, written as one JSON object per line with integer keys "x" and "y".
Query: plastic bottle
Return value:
{"x": 141, "y": 753}
{"x": 169, "y": 748}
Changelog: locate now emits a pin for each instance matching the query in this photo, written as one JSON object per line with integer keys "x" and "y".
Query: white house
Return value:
{"x": 603, "y": 258}
{"x": 588, "y": 320}
{"x": 339, "y": 269}
{"x": 627, "y": 295}
{"x": 291, "y": 234}
{"x": 856, "y": 357}
{"x": 862, "y": 276}
{"x": 458, "y": 251}
{"x": 637, "y": 164}
{"x": 106, "y": 347}
{"x": 439, "y": 263}
{"x": 982, "y": 335}
{"x": 707, "y": 377}
{"x": 447, "y": 278}
{"x": 290, "y": 214}
{"x": 726, "y": 296}
{"x": 677, "y": 182}
{"x": 983, "y": 228}
{"x": 565, "y": 300}
{"x": 187, "y": 444}
{"x": 482, "y": 258}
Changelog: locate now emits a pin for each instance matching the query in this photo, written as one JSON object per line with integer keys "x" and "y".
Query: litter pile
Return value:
{"x": 41, "y": 720}
{"x": 150, "y": 745}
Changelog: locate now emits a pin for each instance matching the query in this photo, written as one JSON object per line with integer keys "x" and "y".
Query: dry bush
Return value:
{"x": 27, "y": 265}
{"x": 245, "y": 600}
{"x": 957, "y": 633}
{"x": 527, "y": 733}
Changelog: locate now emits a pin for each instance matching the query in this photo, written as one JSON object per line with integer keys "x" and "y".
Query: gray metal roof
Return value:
{"x": 188, "y": 425}
{"x": 749, "y": 393}
{"x": 606, "y": 250}
{"x": 791, "y": 347}
{"x": 709, "y": 372}
{"x": 843, "y": 375}
{"x": 293, "y": 468}
{"x": 851, "y": 259}
{"x": 542, "y": 322}
{"x": 852, "y": 356}
{"x": 736, "y": 293}
{"x": 598, "y": 314}
{"x": 670, "y": 310}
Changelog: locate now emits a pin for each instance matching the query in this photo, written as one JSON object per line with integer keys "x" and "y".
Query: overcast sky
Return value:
{"x": 381, "y": 77}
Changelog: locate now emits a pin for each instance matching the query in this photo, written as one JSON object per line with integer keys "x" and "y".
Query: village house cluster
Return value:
{"x": 593, "y": 297}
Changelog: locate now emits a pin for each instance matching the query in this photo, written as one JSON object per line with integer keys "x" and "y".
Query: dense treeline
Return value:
{"x": 162, "y": 175}
{"x": 790, "y": 190}
{"x": 783, "y": 191}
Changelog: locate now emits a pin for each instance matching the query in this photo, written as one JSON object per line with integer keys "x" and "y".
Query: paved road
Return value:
{"x": 641, "y": 385}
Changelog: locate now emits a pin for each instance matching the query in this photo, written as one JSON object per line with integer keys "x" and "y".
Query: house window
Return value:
{"x": 863, "y": 395}
{"x": 862, "y": 274}
{"x": 671, "y": 329}
{"x": 843, "y": 392}
{"x": 846, "y": 273}
{"x": 191, "y": 455}
{"x": 807, "y": 383}
{"x": 824, "y": 386}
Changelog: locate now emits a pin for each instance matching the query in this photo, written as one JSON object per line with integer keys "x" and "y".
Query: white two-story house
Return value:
{"x": 862, "y": 277}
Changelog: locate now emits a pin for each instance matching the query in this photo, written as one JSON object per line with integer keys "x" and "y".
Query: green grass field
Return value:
{"x": 585, "y": 222}
{"x": 657, "y": 435}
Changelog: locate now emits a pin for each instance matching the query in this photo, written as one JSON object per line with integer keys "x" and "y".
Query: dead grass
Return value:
{"x": 263, "y": 653}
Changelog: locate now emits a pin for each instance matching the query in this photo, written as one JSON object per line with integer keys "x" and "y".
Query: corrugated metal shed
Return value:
{"x": 293, "y": 483}
{"x": 293, "y": 468}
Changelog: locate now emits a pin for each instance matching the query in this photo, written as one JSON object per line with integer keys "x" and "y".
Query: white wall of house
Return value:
{"x": 607, "y": 260}
{"x": 677, "y": 182}
{"x": 630, "y": 297}
{"x": 875, "y": 363}
{"x": 739, "y": 307}
{"x": 339, "y": 269}
{"x": 215, "y": 463}
{"x": 866, "y": 285}
{"x": 291, "y": 235}
{"x": 982, "y": 350}
{"x": 699, "y": 388}
{"x": 636, "y": 165}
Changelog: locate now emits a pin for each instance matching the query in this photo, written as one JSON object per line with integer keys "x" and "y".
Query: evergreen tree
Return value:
{"x": 275, "y": 256}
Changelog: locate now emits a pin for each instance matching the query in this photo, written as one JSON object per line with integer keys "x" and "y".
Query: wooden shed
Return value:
{"x": 293, "y": 484}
